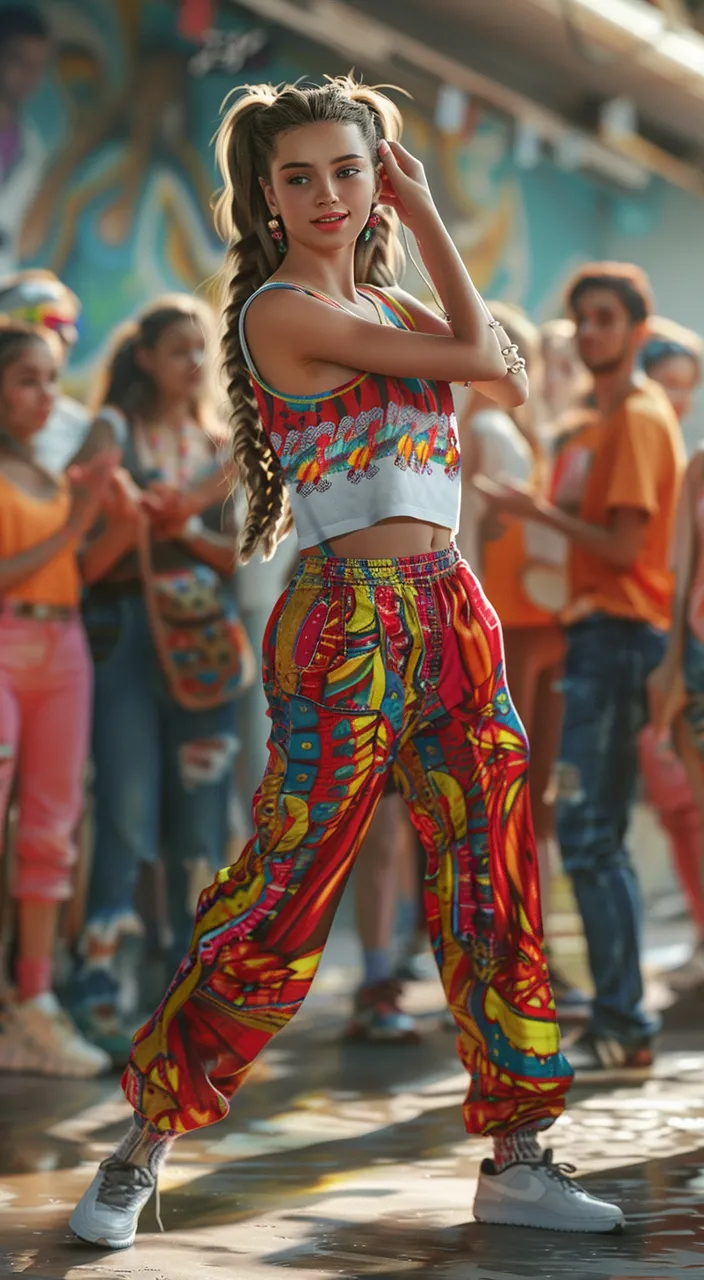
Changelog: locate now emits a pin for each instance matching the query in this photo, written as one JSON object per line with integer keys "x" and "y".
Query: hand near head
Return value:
{"x": 405, "y": 186}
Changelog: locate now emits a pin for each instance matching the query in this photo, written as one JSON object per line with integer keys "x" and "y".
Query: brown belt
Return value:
{"x": 40, "y": 612}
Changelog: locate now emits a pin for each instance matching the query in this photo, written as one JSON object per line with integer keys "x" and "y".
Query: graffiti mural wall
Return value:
{"x": 122, "y": 121}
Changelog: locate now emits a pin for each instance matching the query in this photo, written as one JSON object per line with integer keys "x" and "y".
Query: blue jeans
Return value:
{"x": 694, "y": 684}
{"x": 608, "y": 661}
{"x": 162, "y": 781}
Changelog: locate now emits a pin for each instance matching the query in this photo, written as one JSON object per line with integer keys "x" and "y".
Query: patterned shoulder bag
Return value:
{"x": 203, "y": 648}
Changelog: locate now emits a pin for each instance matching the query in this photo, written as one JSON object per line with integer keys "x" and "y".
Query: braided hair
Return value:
{"x": 245, "y": 146}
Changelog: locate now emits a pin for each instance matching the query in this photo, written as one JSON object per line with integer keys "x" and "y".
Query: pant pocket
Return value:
{"x": 311, "y": 639}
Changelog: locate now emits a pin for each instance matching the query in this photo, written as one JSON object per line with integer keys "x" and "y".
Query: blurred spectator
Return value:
{"x": 620, "y": 475}
{"x": 565, "y": 379}
{"x": 162, "y": 772}
{"x": 675, "y": 782}
{"x": 672, "y": 356}
{"x": 45, "y": 683}
{"x": 24, "y": 56}
{"x": 39, "y": 298}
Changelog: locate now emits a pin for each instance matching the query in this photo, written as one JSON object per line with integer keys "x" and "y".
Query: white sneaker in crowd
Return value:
{"x": 108, "y": 1212}
{"x": 38, "y": 1036}
{"x": 541, "y": 1195}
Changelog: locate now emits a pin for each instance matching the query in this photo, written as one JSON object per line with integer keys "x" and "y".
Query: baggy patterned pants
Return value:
{"x": 372, "y": 666}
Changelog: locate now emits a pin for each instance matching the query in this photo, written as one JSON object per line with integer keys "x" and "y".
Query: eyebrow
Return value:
{"x": 303, "y": 164}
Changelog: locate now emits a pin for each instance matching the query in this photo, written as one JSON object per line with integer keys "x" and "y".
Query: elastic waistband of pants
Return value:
{"x": 324, "y": 570}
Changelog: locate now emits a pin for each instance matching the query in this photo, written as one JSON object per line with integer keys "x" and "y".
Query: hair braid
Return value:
{"x": 256, "y": 463}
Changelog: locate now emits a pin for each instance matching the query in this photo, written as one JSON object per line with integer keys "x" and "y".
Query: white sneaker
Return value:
{"x": 541, "y": 1195}
{"x": 38, "y": 1036}
{"x": 108, "y": 1212}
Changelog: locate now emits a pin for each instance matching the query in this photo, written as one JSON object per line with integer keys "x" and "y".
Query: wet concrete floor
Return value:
{"x": 350, "y": 1161}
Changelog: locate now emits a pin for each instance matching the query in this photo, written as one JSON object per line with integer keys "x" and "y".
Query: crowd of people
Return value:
{"x": 130, "y": 635}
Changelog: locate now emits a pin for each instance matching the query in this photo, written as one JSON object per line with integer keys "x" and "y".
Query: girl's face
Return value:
{"x": 176, "y": 362}
{"x": 323, "y": 185}
{"x": 679, "y": 376}
{"x": 28, "y": 387}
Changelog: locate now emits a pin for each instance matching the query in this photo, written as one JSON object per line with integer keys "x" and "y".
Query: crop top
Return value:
{"x": 375, "y": 447}
{"x": 25, "y": 521}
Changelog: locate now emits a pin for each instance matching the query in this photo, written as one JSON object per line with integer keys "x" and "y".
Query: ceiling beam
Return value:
{"x": 340, "y": 26}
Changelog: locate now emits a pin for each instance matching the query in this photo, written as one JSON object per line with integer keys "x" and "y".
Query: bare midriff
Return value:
{"x": 391, "y": 539}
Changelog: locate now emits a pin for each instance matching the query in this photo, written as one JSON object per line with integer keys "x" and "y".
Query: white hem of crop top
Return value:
{"x": 370, "y": 519}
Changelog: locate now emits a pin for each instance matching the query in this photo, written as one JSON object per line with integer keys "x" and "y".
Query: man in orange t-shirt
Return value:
{"x": 614, "y": 496}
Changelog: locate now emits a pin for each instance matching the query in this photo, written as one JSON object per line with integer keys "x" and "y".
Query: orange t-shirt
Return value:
{"x": 25, "y": 521}
{"x": 634, "y": 458}
{"x": 523, "y": 570}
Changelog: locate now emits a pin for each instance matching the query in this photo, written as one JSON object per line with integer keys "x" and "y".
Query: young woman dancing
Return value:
{"x": 383, "y": 655}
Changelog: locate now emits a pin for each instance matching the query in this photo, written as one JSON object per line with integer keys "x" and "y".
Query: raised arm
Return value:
{"x": 311, "y": 331}
{"x": 508, "y": 392}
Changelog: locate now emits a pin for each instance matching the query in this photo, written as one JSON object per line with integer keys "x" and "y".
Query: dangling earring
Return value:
{"x": 372, "y": 223}
{"x": 276, "y": 232}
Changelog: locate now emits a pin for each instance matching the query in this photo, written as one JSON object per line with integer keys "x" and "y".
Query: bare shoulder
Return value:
{"x": 274, "y": 306}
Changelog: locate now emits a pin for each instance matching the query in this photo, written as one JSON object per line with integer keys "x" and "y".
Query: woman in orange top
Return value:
{"x": 44, "y": 697}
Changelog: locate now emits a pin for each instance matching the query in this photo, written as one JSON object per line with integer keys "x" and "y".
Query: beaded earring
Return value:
{"x": 276, "y": 232}
{"x": 372, "y": 223}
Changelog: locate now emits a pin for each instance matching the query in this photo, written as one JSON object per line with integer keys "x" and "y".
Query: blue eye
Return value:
{"x": 297, "y": 180}
{"x": 347, "y": 172}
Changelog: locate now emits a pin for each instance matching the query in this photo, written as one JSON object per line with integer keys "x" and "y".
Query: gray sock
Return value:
{"x": 144, "y": 1145}
{"x": 519, "y": 1147}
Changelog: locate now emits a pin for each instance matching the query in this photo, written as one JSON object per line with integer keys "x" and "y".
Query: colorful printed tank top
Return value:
{"x": 370, "y": 449}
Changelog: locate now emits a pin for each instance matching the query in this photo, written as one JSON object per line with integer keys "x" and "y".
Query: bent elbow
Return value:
{"x": 515, "y": 391}
{"x": 495, "y": 365}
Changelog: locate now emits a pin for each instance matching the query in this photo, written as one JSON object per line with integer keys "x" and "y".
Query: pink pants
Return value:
{"x": 45, "y": 694}
{"x": 669, "y": 793}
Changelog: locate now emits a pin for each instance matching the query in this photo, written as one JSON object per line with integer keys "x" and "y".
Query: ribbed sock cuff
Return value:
{"x": 144, "y": 1145}
{"x": 521, "y": 1147}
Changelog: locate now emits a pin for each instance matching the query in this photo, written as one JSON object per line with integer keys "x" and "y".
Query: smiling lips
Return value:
{"x": 330, "y": 221}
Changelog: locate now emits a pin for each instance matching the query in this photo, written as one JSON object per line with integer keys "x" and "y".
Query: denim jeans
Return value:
{"x": 608, "y": 661}
{"x": 162, "y": 785}
{"x": 694, "y": 684}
